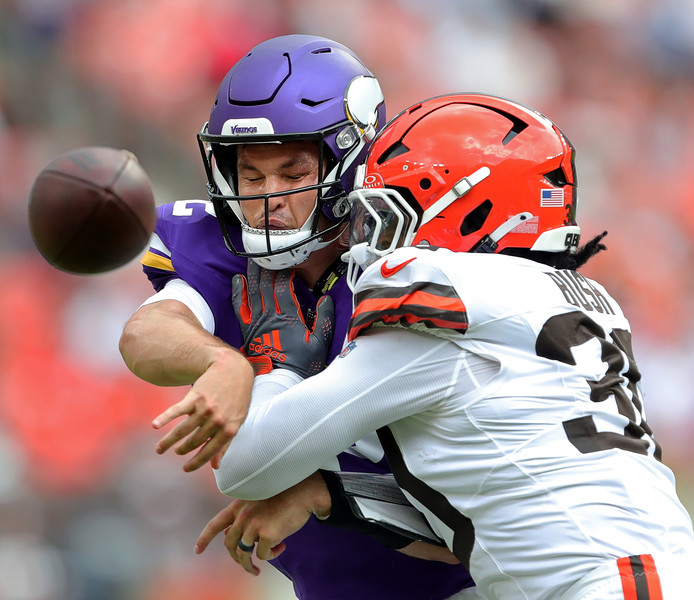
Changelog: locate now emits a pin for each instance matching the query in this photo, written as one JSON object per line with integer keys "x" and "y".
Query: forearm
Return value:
{"x": 286, "y": 439}
{"x": 164, "y": 344}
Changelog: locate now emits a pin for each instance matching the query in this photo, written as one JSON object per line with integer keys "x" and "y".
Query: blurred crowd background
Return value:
{"x": 87, "y": 510}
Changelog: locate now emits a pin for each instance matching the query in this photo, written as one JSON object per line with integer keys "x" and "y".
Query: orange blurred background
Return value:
{"x": 87, "y": 510}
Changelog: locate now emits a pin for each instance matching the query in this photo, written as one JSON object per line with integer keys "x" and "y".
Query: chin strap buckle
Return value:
{"x": 490, "y": 242}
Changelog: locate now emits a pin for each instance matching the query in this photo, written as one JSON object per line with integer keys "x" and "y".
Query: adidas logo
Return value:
{"x": 268, "y": 345}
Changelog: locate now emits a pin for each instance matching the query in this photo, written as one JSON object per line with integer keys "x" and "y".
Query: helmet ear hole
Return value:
{"x": 476, "y": 218}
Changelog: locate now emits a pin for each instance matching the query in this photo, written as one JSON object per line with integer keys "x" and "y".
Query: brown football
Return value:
{"x": 92, "y": 210}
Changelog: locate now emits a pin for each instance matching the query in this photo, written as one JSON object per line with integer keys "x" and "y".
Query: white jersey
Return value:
{"x": 506, "y": 396}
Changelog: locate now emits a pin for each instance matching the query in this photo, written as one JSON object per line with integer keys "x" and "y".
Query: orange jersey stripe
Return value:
{"x": 628, "y": 583}
{"x": 421, "y": 298}
{"x": 640, "y": 580}
{"x": 433, "y": 305}
{"x": 655, "y": 591}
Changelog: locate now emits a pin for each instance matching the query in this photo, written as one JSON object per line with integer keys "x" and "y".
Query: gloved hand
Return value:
{"x": 274, "y": 330}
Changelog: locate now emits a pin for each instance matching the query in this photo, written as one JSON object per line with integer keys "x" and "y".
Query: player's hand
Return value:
{"x": 216, "y": 406}
{"x": 266, "y": 523}
{"x": 274, "y": 326}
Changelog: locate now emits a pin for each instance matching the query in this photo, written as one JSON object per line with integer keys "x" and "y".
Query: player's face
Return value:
{"x": 270, "y": 168}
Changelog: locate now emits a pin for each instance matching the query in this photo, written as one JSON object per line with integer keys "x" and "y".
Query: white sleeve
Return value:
{"x": 177, "y": 289}
{"x": 266, "y": 387}
{"x": 390, "y": 373}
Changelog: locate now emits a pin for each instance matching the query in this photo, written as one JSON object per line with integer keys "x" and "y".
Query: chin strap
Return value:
{"x": 489, "y": 243}
{"x": 356, "y": 258}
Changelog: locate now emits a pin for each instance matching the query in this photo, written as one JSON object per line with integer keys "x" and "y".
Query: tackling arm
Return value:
{"x": 288, "y": 439}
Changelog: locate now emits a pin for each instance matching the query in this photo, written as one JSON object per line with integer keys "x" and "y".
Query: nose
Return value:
{"x": 258, "y": 209}
{"x": 274, "y": 185}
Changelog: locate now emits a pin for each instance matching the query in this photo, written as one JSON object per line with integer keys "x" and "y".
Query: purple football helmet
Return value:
{"x": 291, "y": 88}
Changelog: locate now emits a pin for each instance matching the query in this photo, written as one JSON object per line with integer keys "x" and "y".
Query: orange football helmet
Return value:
{"x": 468, "y": 172}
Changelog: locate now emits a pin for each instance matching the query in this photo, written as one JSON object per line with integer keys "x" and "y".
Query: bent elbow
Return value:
{"x": 129, "y": 343}
{"x": 126, "y": 343}
{"x": 244, "y": 483}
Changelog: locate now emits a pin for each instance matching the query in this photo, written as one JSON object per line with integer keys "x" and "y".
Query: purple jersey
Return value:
{"x": 323, "y": 562}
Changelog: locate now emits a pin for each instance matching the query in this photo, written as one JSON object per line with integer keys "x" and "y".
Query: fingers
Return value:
{"x": 325, "y": 317}
{"x": 184, "y": 407}
{"x": 264, "y": 550}
{"x": 223, "y": 519}
{"x": 176, "y": 434}
{"x": 240, "y": 299}
{"x": 216, "y": 460}
{"x": 274, "y": 552}
{"x": 208, "y": 429}
{"x": 244, "y": 557}
{"x": 181, "y": 430}
{"x": 226, "y": 520}
{"x": 269, "y": 548}
{"x": 197, "y": 419}
{"x": 286, "y": 301}
{"x": 214, "y": 410}
{"x": 266, "y": 290}
{"x": 253, "y": 527}
{"x": 253, "y": 272}
{"x": 276, "y": 289}
{"x": 213, "y": 440}
{"x": 214, "y": 448}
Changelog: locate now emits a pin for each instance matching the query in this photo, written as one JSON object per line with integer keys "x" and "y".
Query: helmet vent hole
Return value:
{"x": 475, "y": 219}
{"x": 396, "y": 149}
{"x": 312, "y": 103}
{"x": 425, "y": 183}
{"x": 518, "y": 126}
{"x": 321, "y": 51}
{"x": 557, "y": 177}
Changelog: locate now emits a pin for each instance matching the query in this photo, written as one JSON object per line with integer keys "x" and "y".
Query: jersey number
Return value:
{"x": 563, "y": 332}
{"x": 183, "y": 208}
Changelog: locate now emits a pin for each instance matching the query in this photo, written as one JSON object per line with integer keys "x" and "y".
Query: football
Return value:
{"x": 92, "y": 210}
